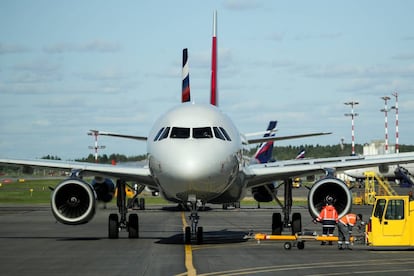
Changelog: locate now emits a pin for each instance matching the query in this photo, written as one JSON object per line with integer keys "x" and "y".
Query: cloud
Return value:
{"x": 97, "y": 46}
{"x": 323, "y": 36}
{"x": 406, "y": 56}
{"x": 241, "y": 5}
{"x": 36, "y": 71}
{"x": 12, "y": 49}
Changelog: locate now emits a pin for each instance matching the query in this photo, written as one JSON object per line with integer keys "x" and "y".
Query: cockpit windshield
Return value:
{"x": 195, "y": 133}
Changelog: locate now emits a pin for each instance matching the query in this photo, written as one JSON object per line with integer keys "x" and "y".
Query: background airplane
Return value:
{"x": 196, "y": 156}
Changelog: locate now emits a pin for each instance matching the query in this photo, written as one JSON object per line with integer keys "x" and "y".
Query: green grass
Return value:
{"x": 38, "y": 192}
{"x": 29, "y": 191}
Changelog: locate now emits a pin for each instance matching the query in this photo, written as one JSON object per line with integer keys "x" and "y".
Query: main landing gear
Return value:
{"x": 115, "y": 225}
{"x": 194, "y": 231}
{"x": 277, "y": 223}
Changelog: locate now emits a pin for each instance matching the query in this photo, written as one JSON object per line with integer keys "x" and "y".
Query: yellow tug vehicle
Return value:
{"x": 392, "y": 222}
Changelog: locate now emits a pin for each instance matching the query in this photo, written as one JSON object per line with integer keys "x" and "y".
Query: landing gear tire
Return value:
{"x": 113, "y": 226}
{"x": 199, "y": 235}
{"x": 277, "y": 224}
{"x": 296, "y": 223}
{"x": 187, "y": 235}
{"x": 142, "y": 203}
{"x": 133, "y": 226}
{"x": 287, "y": 246}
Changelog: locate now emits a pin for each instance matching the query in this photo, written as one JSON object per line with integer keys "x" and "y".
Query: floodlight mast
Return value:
{"x": 95, "y": 133}
{"x": 352, "y": 115}
{"x": 385, "y": 110}
{"x": 397, "y": 150}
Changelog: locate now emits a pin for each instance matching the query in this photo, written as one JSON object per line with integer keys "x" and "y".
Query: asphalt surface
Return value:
{"x": 32, "y": 243}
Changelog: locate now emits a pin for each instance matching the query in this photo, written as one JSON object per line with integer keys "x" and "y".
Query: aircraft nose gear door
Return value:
{"x": 193, "y": 231}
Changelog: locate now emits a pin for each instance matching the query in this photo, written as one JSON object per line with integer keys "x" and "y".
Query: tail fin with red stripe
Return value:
{"x": 185, "y": 96}
{"x": 213, "y": 99}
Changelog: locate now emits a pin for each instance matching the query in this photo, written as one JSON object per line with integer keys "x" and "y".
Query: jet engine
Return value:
{"x": 73, "y": 202}
{"x": 333, "y": 187}
{"x": 104, "y": 188}
{"x": 261, "y": 194}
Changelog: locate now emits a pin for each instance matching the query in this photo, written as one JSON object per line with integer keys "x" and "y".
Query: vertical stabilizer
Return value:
{"x": 265, "y": 150}
{"x": 213, "y": 96}
{"x": 185, "y": 96}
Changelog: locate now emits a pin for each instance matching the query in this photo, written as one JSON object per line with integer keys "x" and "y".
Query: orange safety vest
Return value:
{"x": 349, "y": 219}
{"x": 328, "y": 213}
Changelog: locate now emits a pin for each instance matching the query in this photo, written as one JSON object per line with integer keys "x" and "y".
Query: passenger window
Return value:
{"x": 202, "y": 132}
{"x": 165, "y": 133}
{"x": 180, "y": 132}
{"x": 225, "y": 133}
{"x": 218, "y": 133}
{"x": 379, "y": 208}
{"x": 158, "y": 134}
{"x": 395, "y": 210}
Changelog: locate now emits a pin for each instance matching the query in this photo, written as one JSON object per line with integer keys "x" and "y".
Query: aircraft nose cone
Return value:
{"x": 200, "y": 172}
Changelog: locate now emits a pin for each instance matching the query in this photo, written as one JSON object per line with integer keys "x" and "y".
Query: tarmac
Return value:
{"x": 33, "y": 243}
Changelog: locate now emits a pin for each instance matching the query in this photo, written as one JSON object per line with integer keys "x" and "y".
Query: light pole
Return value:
{"x": 397, "y": 150}
{"x": 385, "y": 110}
{"x": 95, "y": 133}
{"x": 352, "y": 115}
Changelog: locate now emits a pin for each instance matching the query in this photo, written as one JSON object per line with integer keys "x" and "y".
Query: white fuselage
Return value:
{"x": 195, "y": 150}
{"x": 385, "y": 171}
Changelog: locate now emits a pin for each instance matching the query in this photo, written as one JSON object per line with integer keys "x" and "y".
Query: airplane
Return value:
{"x": 402, "y": 174}
{"x": 195, "y": 157}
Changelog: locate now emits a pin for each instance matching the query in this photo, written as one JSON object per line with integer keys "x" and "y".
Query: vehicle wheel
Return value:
{"x": 287, "y": 245}
{"x": 199, "y": 235}
{"x": 113, "y": 226}
{"x": 301, "y": 245}
{"x": 277, "y": 224}
{"x": 133, "y": 226}
{"x": 142, "y": 203}
{"x": 187, "y": 235}
{"x": 296, "y": 223}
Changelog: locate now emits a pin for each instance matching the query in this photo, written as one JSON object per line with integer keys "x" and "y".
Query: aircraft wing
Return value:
{"x": 278, "y": 138}
{"x": 141, "y": 175}
{"x": 259, "y": 174}
{"x": 119, "y": 135}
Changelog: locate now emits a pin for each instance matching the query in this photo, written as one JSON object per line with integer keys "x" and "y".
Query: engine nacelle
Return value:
{"x": 333, "y": 187}
{"x": 261, "y": 194}
{"x": 383, "y": 168}
{"x": 104, "y": 188}
{"x": 73, "y": 202}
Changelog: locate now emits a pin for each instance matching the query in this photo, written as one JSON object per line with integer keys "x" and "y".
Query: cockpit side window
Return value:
{"x": 158, "y": 134}
{"x": 165, "y": 133}
{"x": 180, "y": 132}
{"x": 202, "y": 132}
{"x": 218, "y": 133}
{"x": 225, "y": 133}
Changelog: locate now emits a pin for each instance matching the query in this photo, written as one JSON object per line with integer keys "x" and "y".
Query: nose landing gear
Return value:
{"x": 194, "y": 231}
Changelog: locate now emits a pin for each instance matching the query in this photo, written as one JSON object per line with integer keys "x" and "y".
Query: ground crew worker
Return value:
{"x": 328, "y": 217}
{"x": 345, "y": 225}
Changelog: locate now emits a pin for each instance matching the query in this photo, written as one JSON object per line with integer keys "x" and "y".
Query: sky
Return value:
{"x": 70, "y": 66}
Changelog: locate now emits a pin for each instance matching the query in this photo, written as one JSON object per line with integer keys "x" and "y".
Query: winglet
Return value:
{"x": 213, "y": 95}
{"x": 185, "y": 96}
